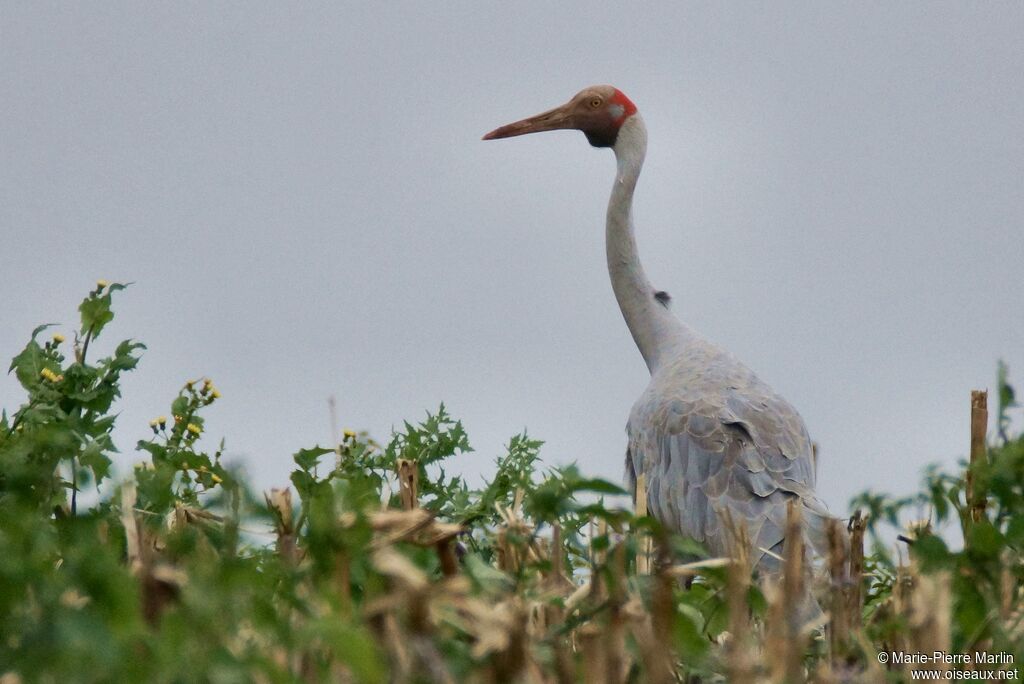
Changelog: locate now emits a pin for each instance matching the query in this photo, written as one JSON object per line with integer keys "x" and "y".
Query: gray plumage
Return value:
{"x": 712, "y": 437}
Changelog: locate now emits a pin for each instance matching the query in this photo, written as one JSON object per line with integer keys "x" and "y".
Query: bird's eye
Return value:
{"x": 595, "y": 103}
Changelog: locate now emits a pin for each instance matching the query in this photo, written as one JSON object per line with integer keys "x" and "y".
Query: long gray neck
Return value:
{"x": 655, "y": 330}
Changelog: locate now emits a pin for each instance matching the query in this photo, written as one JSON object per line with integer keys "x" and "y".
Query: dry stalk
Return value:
{"x": 446, "y": 554}
{"x": 643, "y": 547}
{"x": 615, "y": 633}
{"x": 512, "y": 553}
{"x": 663, "y": 611}
{"x": 598, "y": 591}
{"x": 976, "y": 500}
{"x": 279, "y": 501}
{"x": 785, "y": 639}
{"x": 408, "y": 483}
{"x": 508, "y": 663}
{"x": 557, "y": 584}
{"x": 160, "y": 582}
{"x": 901, "y": 604}
{"x": 131, "y": 527}
{"x": 656, "y": 658}
{"x": 855, "y": 595}
{"x": 924, "y": 601}
{"x": 412, "y": 591}
{"x": 595, "y": 666}
{"x": 839, "y": 600}
{"x": 739, "y": 664}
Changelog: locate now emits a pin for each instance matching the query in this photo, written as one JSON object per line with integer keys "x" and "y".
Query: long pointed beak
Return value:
{"x": 551, "y": 120}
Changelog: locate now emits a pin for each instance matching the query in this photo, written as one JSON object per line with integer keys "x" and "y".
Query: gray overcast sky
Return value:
{"x": 833, "y": 192}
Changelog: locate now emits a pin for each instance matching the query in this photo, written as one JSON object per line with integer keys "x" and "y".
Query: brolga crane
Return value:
{"x": 707, "y": 433}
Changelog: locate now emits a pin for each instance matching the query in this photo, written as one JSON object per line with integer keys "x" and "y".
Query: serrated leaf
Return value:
{"x": 93, "y": 457}
{"x": 96, "y": 312}
{"x": 307, "y": 458}
{"x": 179, "y": 406}
{"x": 28, "y": 364}
{"x": 157, "y": 451}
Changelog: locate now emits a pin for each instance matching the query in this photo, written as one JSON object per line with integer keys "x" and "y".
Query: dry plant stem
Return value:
{"x": 855, "y": 606}
{"x": 279, "y": 501}
{"x": 643, "y": 553}
{"x": 785, "y": 640}
{"x": 446, "y": 554}
{"x": 595, "y": 667}
{"x": 509, "y": 663}
{"x": 615, "y": 637}
{"x": 343, "y": 579}
{"x": 979, "y": 424}
{"x": 554, "y": 615}
{"x": 657, "y": 662}
{"x": 662, "y": 615}
{"x": 408, "y": 483}
{"x": 925, "y": 603}
{"x": 159, "y": 583}
{"x": 597, "y": 560}
{"x": 652, "y": 632}
{"x": 838, "y": 595}
{"x": 739, "y": 665}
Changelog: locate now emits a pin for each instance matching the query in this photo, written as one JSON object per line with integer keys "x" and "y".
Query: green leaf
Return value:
{"x": 179, "y": 406}
{"x": 303, "y": 482}
{"x": 598, "y": 486}
{"x": 29, "y": 364}
{"x": 984, "y": 541}
{"x": 1015, "y": 531}
{"x": 693, "y": 645}
{"x": 96, "y": 311}
{"x": 485, "y": 575}
{"x": 932, "y": 552}
{"x": 307, "y": 458}
{"x": 93, "y": 456}
{"x": 157, "y": 451}
{"x": 124, "y": 357}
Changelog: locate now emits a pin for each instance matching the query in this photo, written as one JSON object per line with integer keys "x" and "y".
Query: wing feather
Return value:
{"x": 724, "y": 446}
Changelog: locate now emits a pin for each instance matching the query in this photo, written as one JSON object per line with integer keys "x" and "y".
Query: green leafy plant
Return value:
{"x": 377, "y": 564}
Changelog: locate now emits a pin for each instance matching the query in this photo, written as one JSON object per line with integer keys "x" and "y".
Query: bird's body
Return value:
{"x": 709, "y": 436}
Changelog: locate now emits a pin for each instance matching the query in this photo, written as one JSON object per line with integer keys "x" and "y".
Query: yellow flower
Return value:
{"x": 101, "y": 284}
{"x": 50, "y": 375}
{"x": 216, "y": 393}
{"x": 162, "y": 420}
{"x": 349, "y": 434}
{"x": 153, "y": 423}
{"x": 216, "y": 478}
{"x": 193, "y": 428}
{"x": 57, "y": 338}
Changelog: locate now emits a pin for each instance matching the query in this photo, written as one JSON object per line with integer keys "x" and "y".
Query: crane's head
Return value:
{"x": 598, "y": 111}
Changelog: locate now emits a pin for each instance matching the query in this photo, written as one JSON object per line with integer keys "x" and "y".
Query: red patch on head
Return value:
{"x": 628, "y": 108}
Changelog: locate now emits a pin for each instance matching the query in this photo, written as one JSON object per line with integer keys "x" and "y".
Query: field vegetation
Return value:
{"x": 375, "y": 564}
